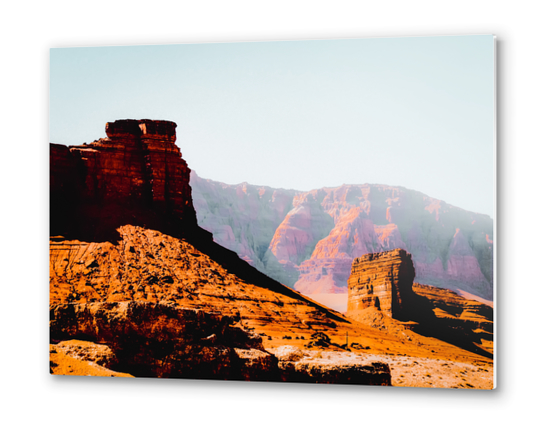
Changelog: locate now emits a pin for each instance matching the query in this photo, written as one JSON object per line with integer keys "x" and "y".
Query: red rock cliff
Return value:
{"x": 382, "y": 280}
{"x": 134, "y": 176}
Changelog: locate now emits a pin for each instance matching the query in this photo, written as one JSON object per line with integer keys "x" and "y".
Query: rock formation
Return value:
{"x": 81, "y": 357}
{"x": 382, "y": 281}
{"x": 313, "y": 237}
{"x": 381, "y": 284}
{"x": 137, "y": 288}
{"x": 469, "y": 315}
{"x": 149, "y": 266}
{"x": 114, "y": 281}
{"x": 330, "y": 367}
{"x": 148, "y": 339}
{"x": 158, "y": 340}
{"x": 134, "y": 176}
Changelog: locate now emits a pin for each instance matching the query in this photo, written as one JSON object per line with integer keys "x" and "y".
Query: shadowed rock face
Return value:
{"x": 134, "y": 176}
{"x": 381, "y": 280}
{"x": 159, "y": 340}
{"x": 147, "y": 339}
{"x": 382, "y": 284}
{"x": 444, "y": 314}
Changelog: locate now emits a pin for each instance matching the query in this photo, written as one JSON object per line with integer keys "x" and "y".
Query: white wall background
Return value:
{"x": 29, "y": 29}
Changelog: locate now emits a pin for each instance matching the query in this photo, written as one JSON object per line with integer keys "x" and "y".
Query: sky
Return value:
{"x": 416, "y": 112}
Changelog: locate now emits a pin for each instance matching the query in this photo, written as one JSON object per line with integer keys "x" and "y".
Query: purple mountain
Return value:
{"x": 308, "y": 240}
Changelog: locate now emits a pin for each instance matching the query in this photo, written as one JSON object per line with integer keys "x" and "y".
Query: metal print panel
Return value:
{"x": 298, "y": 211}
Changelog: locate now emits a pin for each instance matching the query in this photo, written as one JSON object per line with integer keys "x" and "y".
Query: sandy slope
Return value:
{"x": 149, "y": 266}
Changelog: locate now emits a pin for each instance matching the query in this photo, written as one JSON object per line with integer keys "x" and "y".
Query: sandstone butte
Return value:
{"x": 138, "y": 289}
{"x": 383, "y": 281}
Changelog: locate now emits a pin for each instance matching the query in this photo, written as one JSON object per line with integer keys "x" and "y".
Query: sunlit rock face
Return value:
{"x": 382, "y": 281}
{"x": 308, "y": 240}
{"x": 242, "y": 217}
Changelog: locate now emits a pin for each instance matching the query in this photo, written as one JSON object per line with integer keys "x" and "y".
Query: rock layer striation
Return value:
{"x": 308, "y": 240}
{"x": 134, "y": 176}
{"x": 148, "y": 292}
{"x": 159, "y": 340}
{"x": 383, "y": 281}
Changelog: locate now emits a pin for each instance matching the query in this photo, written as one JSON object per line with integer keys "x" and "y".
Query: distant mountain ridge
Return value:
{"x": 308, "y": 240}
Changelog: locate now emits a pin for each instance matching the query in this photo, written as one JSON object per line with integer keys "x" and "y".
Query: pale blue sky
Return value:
{"x": 417, "y": 112}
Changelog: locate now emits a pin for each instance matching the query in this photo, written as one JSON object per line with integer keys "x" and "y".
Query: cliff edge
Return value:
{"x": 134, "y": 176}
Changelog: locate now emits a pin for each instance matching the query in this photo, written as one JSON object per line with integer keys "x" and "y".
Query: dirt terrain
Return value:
{"x": 148, "y": 266}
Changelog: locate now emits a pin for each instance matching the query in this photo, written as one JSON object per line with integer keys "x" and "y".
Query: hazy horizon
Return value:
{"x": 415, "y": 112}
{"x": 330, "y": 187}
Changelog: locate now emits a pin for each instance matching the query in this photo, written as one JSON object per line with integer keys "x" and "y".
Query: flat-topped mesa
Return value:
{"x": 134, "y": 176}
{"x": 382, "y": 280}
{"x": 141, "y": 128}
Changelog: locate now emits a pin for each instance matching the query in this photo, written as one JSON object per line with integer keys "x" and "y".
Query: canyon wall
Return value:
{"x": 134, "y": 176}
{"x": 314, "y": 236}
{"x": 242, "y": 217}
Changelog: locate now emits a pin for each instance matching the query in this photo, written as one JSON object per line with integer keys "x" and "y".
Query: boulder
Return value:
{"x": 315, "y": 366}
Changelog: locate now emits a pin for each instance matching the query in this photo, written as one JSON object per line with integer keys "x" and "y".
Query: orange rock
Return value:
{"x": 381, "y": 280}
{"x": 126, "y": 256}
{"x": 136, "y": 176}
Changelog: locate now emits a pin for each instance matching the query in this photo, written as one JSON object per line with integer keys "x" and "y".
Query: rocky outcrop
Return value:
{"x": 322, "y": 231}
{"x": 460, "y": 312}
{"x": 309, "y": 366}
{"x": 381, "y": 293}
{"x": 146, "y": 339}
{"x": 161, "y": 301}
{"x": 134, "y": 176}
{"x": 159, "y": 340}
{"x": 99, "y": 354}
{"x": 382, "y": 281}
{"x": 442, "y": 313}
{"x": 81, "y": 357}
{"x": 149, "y": 266}
{"x": 146, "y": 266}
